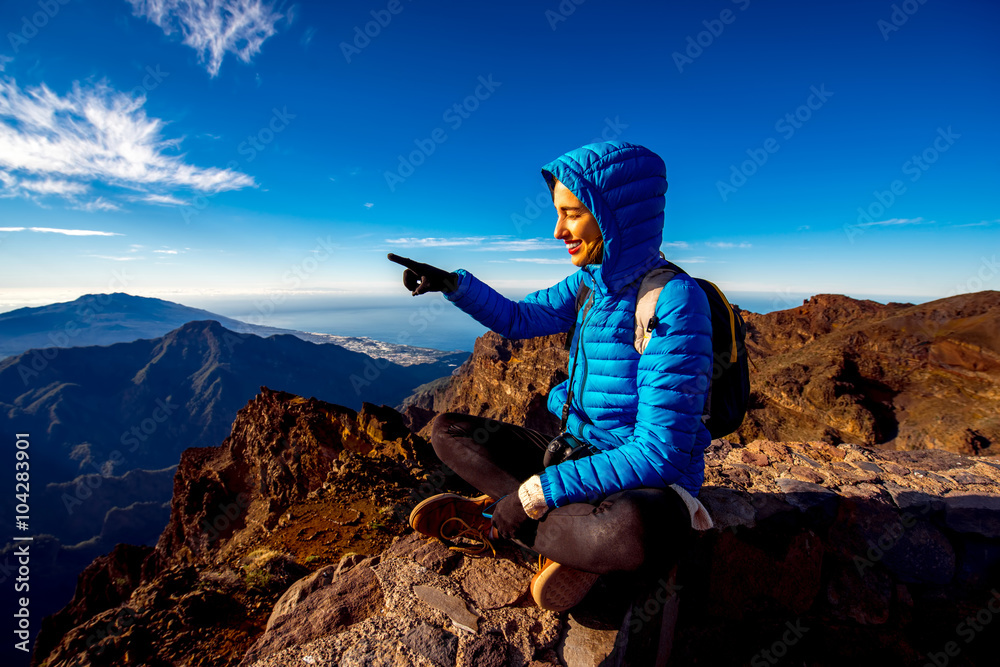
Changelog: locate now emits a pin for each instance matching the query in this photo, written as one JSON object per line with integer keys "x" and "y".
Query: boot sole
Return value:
{"x": 558, "y": 587}
{"x": 422, "y": 519}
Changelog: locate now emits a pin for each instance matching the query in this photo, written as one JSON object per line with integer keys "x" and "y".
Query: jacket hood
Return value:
{"x": 623, "y": 185}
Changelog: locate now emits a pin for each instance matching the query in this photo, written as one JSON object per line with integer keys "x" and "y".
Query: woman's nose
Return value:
{"x": 560, "y": 229}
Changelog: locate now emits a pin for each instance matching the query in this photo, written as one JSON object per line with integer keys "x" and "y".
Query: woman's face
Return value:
{"x": 576, "y": 226}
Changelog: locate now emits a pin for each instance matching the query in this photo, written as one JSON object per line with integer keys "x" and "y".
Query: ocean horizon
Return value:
{"x": 429, "y": 320}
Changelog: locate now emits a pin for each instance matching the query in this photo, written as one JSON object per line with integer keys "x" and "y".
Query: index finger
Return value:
{"x": 405, "y": 261}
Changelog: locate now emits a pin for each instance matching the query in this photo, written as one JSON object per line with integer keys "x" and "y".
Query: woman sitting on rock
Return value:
{"x": 620, "y": 492}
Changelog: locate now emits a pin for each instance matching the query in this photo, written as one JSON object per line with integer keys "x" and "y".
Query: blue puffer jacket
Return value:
{"x": 642, "y": 411}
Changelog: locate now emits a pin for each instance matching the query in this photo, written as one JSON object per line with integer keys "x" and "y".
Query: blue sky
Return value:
{"x": 811, "y": 147}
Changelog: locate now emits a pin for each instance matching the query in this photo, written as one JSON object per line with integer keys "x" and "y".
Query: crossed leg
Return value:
{"x": 627, "y": 531}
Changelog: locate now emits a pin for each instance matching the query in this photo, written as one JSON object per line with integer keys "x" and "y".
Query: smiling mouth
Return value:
{"x": 574, "y": 246}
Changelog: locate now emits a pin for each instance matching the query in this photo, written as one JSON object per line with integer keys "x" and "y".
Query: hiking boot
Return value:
{"x": 456, "y": 520}
{"x": 557, "y": 587}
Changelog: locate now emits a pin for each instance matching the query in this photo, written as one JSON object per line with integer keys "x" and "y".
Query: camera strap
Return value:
{"x": 579, "y": 342}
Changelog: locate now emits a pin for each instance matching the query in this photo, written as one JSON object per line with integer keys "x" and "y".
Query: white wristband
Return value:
{"x": 533, "y": 498}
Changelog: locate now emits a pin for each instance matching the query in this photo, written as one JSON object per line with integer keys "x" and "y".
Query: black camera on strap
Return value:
{"x": 565, "y": 447}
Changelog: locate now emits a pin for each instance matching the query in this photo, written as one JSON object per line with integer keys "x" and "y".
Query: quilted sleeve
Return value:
{"x": 547, "y": 311}
{"x": 672, "y": 379}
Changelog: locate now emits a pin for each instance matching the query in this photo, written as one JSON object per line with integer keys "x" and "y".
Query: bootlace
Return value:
{"x": 480, "y": 543}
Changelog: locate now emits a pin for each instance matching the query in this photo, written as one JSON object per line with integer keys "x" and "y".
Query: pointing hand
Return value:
{"x": 420, "y": 278}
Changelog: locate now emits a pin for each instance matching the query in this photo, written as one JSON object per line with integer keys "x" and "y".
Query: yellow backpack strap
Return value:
{"x": 645, "y": 304}
{"x": 732, "y": 322}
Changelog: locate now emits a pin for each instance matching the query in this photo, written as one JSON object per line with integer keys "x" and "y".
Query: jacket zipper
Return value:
{"x": 586, "y": 365}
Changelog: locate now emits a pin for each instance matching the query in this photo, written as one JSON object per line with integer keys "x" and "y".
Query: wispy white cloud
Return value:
{"x": 127, "y": 258}
{"x": 983, "y": 223}
{"x": 895, "y": 222}
{"x": 369, "y": 205}
{"x": 481, "y": 243}
{"x": 50, "y": 186}
{"x": 522, "y": 245}
{"x": 675, "y": 244}
{"x": 726, "y": 244}
{"x": 168, "y": 252}
{"x": 162, "y": 200}
{"x": 66, "y": 232}
{"x": 540, "y": 260}
{"x": 214, "y": 28}
{"x": 99, "y": 204}
{"x": 435, "y": 242}
{"x": 307, "y": 37}
{"x": 52, "y": 145}
{"x": 691, "y": 260}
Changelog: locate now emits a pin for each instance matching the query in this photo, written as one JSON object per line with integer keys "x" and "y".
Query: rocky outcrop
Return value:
{"x": 298, "y": 483}
{"x": 506, "y": 380}
{"x": 288, "y": 544}
{"x": 836, "y": 369}
{"x": 898, "y": 376}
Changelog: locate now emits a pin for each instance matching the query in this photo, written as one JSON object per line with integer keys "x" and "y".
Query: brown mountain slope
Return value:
{"x": 835, "y": 369}
{"x": 507, "y": 380}
{"x": 885, "y": 551}
{"x": 898, "y": 376}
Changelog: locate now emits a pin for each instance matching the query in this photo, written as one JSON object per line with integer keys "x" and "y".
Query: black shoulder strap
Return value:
{"x": 582, "y": 293}
{"x": 569, "y": 393}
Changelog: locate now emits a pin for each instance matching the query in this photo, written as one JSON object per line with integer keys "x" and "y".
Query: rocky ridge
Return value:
{"x": 896, "y": 376}
{"x": 288, "y": 544}
{"x": 836, "y": 369}
{"x": 507, "y": 380}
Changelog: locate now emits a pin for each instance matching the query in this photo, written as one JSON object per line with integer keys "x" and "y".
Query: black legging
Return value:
{"x": 641, "y": 528}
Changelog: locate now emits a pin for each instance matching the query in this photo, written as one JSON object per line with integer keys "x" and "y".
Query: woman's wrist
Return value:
{"x": 533, "y": 498}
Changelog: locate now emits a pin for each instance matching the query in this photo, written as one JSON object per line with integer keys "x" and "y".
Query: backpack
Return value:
{"x": 729, "y": 388}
